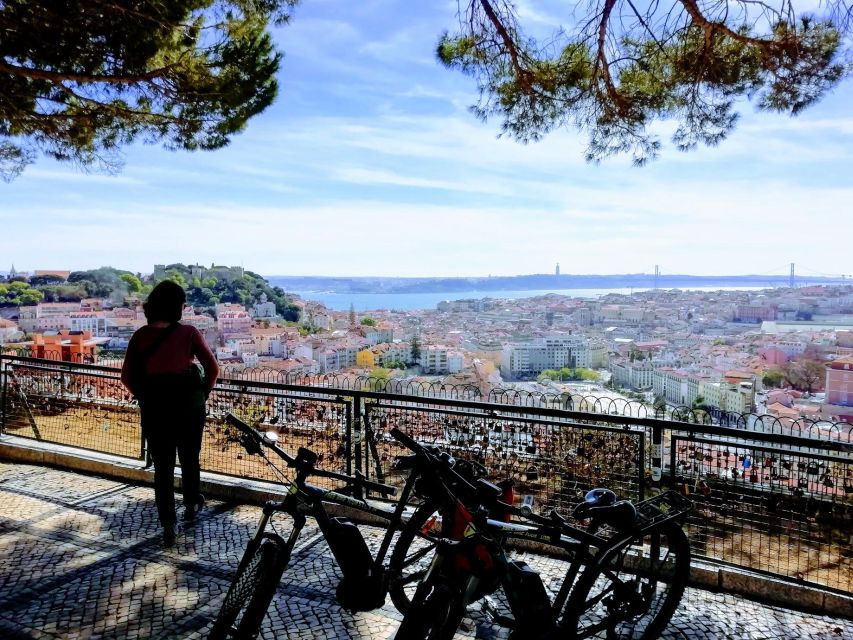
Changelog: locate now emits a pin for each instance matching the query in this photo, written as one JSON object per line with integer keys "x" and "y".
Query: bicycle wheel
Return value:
{"x": 634, "y": 593}
{"x": 412, "y": 555}
{"x": 251, "y": 591}
{"x": 437, "y": 618}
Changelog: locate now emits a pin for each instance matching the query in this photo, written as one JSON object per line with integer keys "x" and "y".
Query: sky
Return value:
{"x": 370, "y": 164}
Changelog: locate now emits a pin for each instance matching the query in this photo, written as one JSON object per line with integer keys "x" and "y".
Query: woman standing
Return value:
{"x": 160, "y": 372}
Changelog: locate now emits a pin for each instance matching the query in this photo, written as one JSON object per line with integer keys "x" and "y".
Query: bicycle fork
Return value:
{"x": 299, "y": 521}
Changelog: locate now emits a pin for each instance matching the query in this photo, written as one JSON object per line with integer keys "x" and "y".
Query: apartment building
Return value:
{"x": 232, "y": 319}
{"x": 95, "y": 322}
{"x": 337, "y": 357}
{"x": 9, "y": 331}
{"x": 839, "y": 382}
{"x": 385, "y": 355}
{"x": 455, "y": 361}
{"x": 730, "y": 397}
{"x": 684, "y": 388}
{"x": 839, "y": 390}
{"x": 754, "y": 312}
{"x": 552, "y": 352}
{"x": 47, "y": 316}
{"x": 434, "y": 359}
{"x": 382, "y": 332}
{"x": 634, "y": 375}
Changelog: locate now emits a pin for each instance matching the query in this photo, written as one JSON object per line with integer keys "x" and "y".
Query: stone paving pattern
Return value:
{"x": 81, "y": 557}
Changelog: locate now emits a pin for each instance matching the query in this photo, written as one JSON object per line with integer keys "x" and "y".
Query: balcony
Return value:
{"x": 774, "y": 502}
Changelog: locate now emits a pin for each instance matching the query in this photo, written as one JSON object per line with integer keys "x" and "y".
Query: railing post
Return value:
{"x": 348, "y": 434}
{"x": 657, "y": 455}
{"x": 355, "y": 427}
{"x": 2, "y": 394}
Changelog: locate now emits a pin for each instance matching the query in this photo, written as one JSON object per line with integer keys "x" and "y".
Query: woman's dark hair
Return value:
{"x": 165, "y": 303}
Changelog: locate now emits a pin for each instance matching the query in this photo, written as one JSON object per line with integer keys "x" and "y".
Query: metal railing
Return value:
{"x": 570, "y": 400}
{"x": 778, "y": 500}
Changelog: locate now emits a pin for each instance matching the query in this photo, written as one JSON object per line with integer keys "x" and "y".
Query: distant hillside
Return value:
{"x": 532, "y": 282}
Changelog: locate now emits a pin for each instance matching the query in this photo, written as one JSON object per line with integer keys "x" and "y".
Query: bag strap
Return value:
{"x": 151, "y": 350}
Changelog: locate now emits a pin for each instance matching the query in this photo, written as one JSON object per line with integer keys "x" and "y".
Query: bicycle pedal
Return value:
{"x": 491, "y": 609}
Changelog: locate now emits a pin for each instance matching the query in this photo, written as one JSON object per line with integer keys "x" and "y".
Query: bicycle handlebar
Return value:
{"x": 303, "y": 465}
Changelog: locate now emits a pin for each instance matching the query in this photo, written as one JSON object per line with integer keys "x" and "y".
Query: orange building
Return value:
{"x": 69, "y": 346}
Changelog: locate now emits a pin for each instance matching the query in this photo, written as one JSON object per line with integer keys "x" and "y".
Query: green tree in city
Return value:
{"x": 415, "y": 344}
{"x": 177, "y": 277}
{"x": 582, "y": 373}
{"x": 368, "y": 322}
{"x": 46, "y": 280}
{"x": 804, "y": 373}
{"x": 772, "y": 378}
{"x": 134, "y": 284}
{"x": 618, "y": 66}
{"x": 378, "y": 378}
{"x": 548, "y": 374}
{"x": 17, "y": 294}
{"x": 81, "y": 80}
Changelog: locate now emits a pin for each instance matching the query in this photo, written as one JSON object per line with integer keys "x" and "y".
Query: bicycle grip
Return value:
{"x": 406, "y": 440}
{"x": 378, "y": 487}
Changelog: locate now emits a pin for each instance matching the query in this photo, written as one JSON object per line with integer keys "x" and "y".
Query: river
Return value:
{"x": 413, "y": 301}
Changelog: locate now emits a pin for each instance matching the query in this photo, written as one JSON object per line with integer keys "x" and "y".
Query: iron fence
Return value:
{"x": 775, "y": 497}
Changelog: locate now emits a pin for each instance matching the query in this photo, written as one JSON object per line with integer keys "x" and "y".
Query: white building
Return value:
{"x": 434, "y": 359}
{"x": 455, "y": 361}
{"x": 553, "y": 352}
{"x": 263, "y": 310}
{"x": 336, "y": 357}
{"x": 95, "y": 322}
{"x": 633, "y": 375}
{"x": 271, "y": 345}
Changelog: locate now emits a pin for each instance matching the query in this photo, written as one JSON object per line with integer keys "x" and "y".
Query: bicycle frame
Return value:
{"x": 305, "y": 500}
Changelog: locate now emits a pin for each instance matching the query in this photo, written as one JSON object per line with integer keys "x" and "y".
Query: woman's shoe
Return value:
{"x": 191, "y": 510}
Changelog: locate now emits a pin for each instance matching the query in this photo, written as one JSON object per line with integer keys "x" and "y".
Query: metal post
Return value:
{"x": 356, "y": 430}
{"x": 2, "y": 395}
{"x": 348, "y": 436}
{"x": 657, "y": 455}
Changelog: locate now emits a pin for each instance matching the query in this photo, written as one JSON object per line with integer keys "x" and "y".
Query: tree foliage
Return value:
{"x": 772, "y": 378}
{"x": 623, "y": 65}
{"x": 15, "y": 294}
{"x": 104, "y": 282}
{"x": 415, "y": 344}
{"x": 79, "y": 80}
{"x": 246, "y": 290}
{"x": 805, "y": 373}
{"x": 567, "y": 373}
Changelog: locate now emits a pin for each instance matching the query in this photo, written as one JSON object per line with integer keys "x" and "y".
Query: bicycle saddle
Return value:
{"x": 602, "y": 504}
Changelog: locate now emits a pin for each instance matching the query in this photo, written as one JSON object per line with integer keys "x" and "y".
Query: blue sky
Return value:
{"x": 370, "y": 164}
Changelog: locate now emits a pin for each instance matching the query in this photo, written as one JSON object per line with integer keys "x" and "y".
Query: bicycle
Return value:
{"x": 364, "y": 584}
{"x": 626, "y": 576}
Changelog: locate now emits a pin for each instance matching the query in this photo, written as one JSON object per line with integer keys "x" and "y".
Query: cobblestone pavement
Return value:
{"x": 81, "y": 557}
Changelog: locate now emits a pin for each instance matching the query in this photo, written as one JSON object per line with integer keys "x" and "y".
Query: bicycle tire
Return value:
{"x": 651, "y": 569}
{"x": 411, "y": 556}
{"x": 251, "y": 591}
{"x": 437, "y": 618}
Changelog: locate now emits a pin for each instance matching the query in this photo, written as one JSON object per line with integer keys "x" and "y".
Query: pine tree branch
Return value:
{"x": 55, "y": 76}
